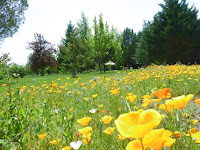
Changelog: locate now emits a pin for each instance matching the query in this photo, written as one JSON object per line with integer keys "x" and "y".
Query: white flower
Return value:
{"x": 76, "y": 145}
{"x": 92, "y": 111}
{"x": 56, "y": 110}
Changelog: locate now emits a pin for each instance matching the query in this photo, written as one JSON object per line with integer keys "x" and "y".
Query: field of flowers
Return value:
{"x": 150, "y": 108}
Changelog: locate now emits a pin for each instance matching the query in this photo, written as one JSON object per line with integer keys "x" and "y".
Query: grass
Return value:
{"x": 52, "y": 104}
{"x": 36, "y": 80}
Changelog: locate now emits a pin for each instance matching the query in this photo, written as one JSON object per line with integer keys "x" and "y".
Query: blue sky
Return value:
{"x": 50, "y": 18}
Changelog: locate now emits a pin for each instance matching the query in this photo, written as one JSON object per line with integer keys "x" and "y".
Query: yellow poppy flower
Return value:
{"x": 109, "y": 130}
{"x": 115, "y": 91}
{"x": 196, "y": 136}
{"x": 181, "y": 101}
{"x": 120, "y": 137}
{"x": 195, "y": 121}
{"x": 66, "y": 148}
{"x": 87, "y": 138}
{"x": 135, "y": 145}
{"x": 137, "y": 124}
{"x": 131, "y": 98}
{"x": 106, "y": 119}
{"x": 42, "y": 136}
{"x": 62, "y": 87}
{"x": 86, "y": 98}
{"x": 147, "y": 97}
{"x": 84, "y": 121}
{"x": 55, "y": 142}
{"x": 100, "y": 106}
{"x": 156, "y": 139}
{"x": 95, "y": 95}
{"x": 85, "y": 130}
{"x": 130, "y": 94}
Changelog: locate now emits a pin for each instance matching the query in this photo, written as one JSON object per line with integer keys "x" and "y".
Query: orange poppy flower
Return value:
{"x": 177, "y": 134}
{"x": 192, "y": 131}
{"x": 137, "y": 124}
{"x": 4, "y": 85}
{"x": 197, "y": 101}
{"x": 162, "y": 93}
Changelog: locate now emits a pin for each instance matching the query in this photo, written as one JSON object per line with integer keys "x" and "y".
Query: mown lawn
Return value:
{"x": 156, "y": 106}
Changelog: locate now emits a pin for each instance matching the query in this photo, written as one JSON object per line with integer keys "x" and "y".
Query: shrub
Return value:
{"x": 18, "y": 69}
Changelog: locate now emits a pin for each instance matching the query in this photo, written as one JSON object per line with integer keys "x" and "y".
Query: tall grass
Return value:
{"x": 53, "y": 104}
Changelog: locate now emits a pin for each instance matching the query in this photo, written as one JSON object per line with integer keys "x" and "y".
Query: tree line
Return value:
{"x": 172, "y": 36}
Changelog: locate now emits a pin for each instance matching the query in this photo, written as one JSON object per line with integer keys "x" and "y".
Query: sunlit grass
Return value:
{"x": 60, "y": 110}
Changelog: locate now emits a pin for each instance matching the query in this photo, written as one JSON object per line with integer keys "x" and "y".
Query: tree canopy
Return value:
{"x": 172, "y": 36}
{"x": 11, "y": 17}
{"x": 42, "y": 56}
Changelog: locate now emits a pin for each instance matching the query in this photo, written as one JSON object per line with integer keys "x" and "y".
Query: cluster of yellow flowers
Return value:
{"x": 137, "y": 119}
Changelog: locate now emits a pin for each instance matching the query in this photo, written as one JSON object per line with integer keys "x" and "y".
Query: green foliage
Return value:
{"x": 99, "y": 41}
{"x": 18, "y": 69}
{"x": 144, "y": 46}
{"x": 70, "y": 49}
{"x": 89, "y": 49}
{"x": 4, "y": 64}
{"x": 107, "y": 44}
{"x": 128, "y": 47}
{"x": 11, "y": 16}
{"x": 86, "y": 51}
{"x": 172, "y": 36}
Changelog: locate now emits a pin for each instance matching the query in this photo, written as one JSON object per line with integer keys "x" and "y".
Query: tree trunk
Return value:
{"x": 42, "y": 71}
{"x": 100, "y": 67}
{"x": 73, "y": 71}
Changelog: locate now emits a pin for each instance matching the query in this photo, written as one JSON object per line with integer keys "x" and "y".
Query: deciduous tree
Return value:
{"x": 43, "y": 54}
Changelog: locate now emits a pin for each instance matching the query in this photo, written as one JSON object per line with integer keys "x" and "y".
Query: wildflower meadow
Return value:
{"x": 153, "y": 108}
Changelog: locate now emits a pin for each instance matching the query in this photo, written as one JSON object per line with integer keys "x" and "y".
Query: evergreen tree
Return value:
{"x": 63, "y": 57}
{"x": 128, "y": 47}
{"x": 173, "y": 35}
{"x": 70, "y": 49}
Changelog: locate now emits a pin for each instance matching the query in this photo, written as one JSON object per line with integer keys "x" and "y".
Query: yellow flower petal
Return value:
{"x": 136, "y": 124}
